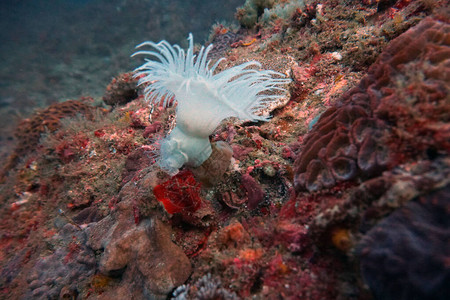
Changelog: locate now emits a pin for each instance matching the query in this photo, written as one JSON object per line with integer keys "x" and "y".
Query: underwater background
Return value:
{"x": 52, "y": 51}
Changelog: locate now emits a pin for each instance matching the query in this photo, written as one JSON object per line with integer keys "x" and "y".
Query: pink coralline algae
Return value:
{"x": 351, "y": 204}
{"x": 398, "y": 112}
{"x": 406, "y": 255}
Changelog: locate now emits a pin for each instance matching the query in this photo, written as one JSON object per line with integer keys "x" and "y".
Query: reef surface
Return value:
{"x": 343, "y": 194}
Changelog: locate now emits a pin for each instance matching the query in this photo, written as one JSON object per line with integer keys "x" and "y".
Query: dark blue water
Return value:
{"x": 63, "y": 49}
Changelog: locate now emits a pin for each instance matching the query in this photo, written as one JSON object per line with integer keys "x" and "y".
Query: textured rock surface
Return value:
{"x": 364, "y": 206}
{"x": 65, "y": 269}
{"x": 121, "y": 90}
{"x": 399, "y": 111}
{"x": 29, "y": 130}
{"x": 150, "y": 263}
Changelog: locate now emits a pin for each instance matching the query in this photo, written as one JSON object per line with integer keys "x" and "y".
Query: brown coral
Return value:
{"x": 398, "y": 112}
{"x": 29, "y": 130}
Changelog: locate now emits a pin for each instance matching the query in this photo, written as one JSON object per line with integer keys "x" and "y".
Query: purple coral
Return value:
{"x": 406, "y": 255}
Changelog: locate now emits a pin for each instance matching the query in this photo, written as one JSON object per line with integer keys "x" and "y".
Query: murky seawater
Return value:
{"x": 56, "y": 50}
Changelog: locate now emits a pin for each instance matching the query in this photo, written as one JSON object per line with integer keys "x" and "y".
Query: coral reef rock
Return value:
{"x": 29, "y": 130}
{"x": 65, "y": 269}
{"x": 150, "y": 264}
{"x": 398, "y": 112}
{"x": 121, "y": 90}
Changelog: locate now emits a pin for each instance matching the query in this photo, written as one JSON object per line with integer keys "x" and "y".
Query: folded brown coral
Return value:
{"x": 399, "y": 111}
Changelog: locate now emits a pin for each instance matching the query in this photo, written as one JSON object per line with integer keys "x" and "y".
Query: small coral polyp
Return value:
{"x": 203, "y": 98}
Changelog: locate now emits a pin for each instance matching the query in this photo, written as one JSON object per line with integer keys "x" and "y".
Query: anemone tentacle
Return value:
{"x": 204, "y": 98}
{"x": 241, "y": 86}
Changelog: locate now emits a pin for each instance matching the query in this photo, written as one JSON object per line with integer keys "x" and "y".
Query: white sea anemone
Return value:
{"x": 203, "y": 98}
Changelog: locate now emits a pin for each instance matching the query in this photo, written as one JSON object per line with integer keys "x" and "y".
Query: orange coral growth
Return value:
{"x": 233, "y": 234}
{"x": 99, "y": 282}
{"x": 341, "y": 239}
{"x": 251, "y": 254}
{"x": 249, "y": 43}
{"x": 29, "y": 130}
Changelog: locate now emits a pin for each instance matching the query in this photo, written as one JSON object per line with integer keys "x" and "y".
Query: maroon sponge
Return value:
{"x": 406, "y": 255}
